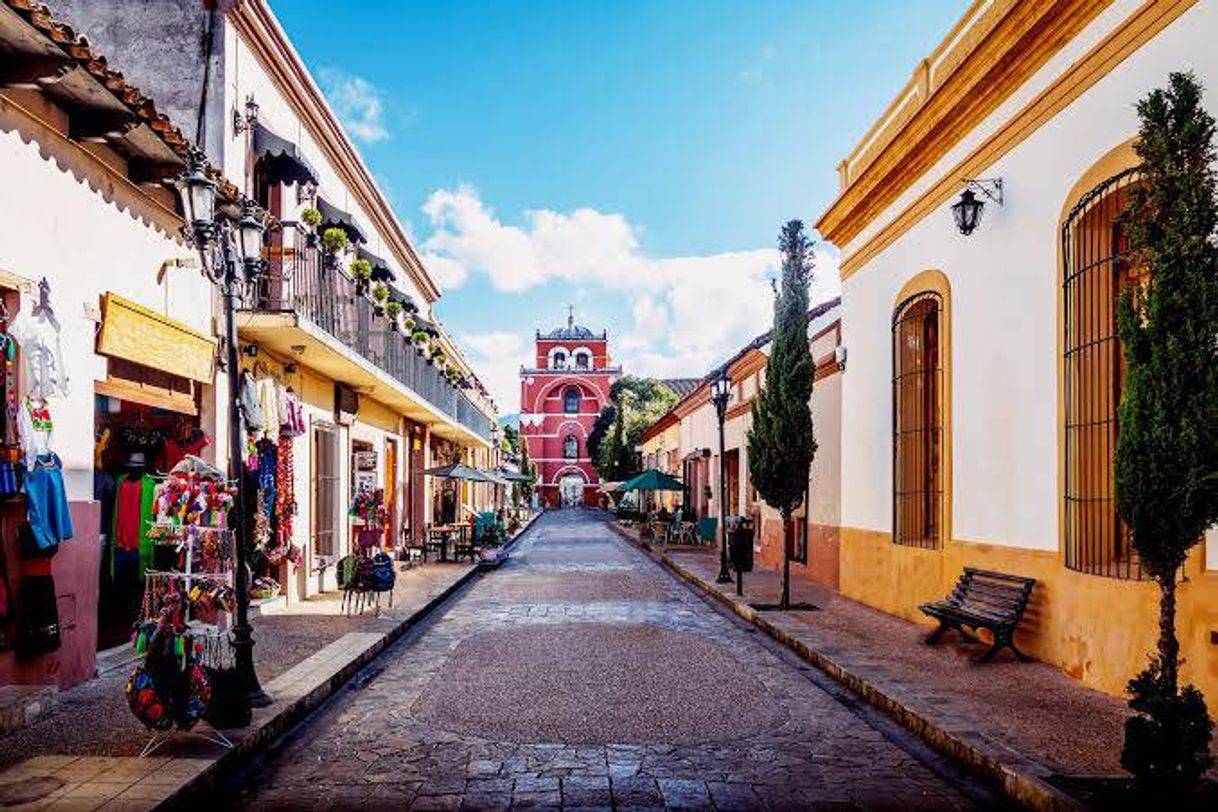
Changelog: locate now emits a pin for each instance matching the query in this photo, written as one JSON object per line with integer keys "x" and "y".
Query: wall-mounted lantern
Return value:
{"x": 967, "y": 210}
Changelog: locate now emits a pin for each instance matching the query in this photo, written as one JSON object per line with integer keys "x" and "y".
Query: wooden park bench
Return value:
{"x": 984, "y": 599}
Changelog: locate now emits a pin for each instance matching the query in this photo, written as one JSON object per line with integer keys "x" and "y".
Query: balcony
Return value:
{"x": 300, "y": 298}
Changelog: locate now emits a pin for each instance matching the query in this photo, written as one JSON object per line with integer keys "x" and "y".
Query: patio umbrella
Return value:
{"x": 653, "y": 480}
{"x": 513, "y": 476}
{"x": 458, "y": 470}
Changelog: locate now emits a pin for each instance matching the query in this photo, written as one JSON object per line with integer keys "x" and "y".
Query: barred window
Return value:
{"x": 917, "y": 422}
{"x": 1097, "y": 272}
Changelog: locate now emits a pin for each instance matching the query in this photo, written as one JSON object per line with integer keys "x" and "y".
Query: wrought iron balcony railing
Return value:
{"x": 298, "y": 281}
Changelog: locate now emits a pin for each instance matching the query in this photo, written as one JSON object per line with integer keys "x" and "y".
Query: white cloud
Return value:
{"x": 689, "y": 313}
{"x": 497, "y": 357}
{"x": 357, "y": 102}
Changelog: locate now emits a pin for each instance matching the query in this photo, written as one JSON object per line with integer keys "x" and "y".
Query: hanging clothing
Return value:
{"x": 47, "y": 503}
{"x": 268, "y": 403}
{"x": 36, "y": 429}
{"x": 251, "y": 410}
{"x": 134, "y": 509}
{"x": 176, "y": 451}
{"x": 38, "y": 337}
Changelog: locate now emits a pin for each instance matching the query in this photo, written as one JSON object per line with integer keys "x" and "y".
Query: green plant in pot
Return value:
{"x": 421, "y": 340}
{"x": 361, "y": 272}
{"x": 333, "y": 241}
{"x": 408, "y": 324}
{"x": 311, "y": 217}
{"x": 393, "y": 311}
{"x": 380, "y": 295}
{"x": 438, "y": 357}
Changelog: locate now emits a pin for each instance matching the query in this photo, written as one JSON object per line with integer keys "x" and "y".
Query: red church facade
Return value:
{"x": 560, "y": 397}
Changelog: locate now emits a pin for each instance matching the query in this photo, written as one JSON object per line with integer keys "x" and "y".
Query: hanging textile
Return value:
{"x": 251, "y": 411}
{"x": 268, "y": 404}
{"x": 38, "y": 336}
{"x": 36, "y": 429}
{"x": 46, "y": 502}
{"x": 38, "y": 625}
{"x": 134, "y": 509}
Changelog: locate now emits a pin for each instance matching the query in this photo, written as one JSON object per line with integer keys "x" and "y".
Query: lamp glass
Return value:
{"x": 721, "y": 386}
{"x": 198, "y": 197}
{"x": 967, "y": 212}
{"x": 249, "y": 232}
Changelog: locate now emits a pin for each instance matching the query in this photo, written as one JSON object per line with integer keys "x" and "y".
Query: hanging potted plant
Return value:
{"x": 311, "y": 217}
{"x": 393, "y": 311}
{"x": 361, "y": 272}
{"x": 421, "y": 339}
{"x": 333, "y": 241}
{"x": 408, "y": 324}
{"x": 380, "y": 295}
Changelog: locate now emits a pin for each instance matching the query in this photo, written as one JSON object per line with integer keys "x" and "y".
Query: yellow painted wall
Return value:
{"x": 1098, "y": 630}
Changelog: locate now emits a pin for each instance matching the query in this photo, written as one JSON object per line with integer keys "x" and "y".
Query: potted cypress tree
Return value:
{"x": 781, "y": 441}
{"x": 1167, "y": 449}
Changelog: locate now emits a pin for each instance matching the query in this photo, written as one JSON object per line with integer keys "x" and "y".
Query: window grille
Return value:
{"x": 1097, "y": 269}
{"x": 917, "y": 422}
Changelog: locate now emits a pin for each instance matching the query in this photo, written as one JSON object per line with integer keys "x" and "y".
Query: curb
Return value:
{"x": 282, "y": 719}
{"x": 1017, "y": 777}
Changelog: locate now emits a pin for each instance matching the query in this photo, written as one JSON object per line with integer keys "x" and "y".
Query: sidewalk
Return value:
{"x": 84, "y": 754}
{"x": 1018, "y": 723}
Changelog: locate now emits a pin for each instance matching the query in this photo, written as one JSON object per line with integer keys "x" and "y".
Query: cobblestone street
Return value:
{"x": 583, "y": 676}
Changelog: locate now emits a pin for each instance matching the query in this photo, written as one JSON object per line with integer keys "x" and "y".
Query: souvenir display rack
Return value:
{"x": 187, "y": 597}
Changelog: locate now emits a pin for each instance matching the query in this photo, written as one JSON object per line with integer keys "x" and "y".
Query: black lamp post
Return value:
{"x": 221, "y": 243}
{"x": 721, "y": 393}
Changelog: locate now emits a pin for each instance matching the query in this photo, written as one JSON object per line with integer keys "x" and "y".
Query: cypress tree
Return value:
{"x": 1167, "y": 447}
{"x": 781, "y": 441}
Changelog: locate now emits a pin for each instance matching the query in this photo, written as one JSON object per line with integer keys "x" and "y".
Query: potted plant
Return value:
{"x": 333, "y": 241}
{"x": 361, "y": 272}
{"x": 311, "y": 217}
{"x": 438, "y": 357}
{"x": 393, "y": 310}
{"x": 420, "y": 338}
{"x": 380, "y": 295}
{"x": 408, "y": 324}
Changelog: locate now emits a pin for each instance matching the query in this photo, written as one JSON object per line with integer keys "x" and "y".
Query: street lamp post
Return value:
{"x": 721, "y": 393}
{"x": 242, "y": 240}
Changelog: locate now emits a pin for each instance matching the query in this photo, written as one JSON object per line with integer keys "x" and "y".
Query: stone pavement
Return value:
{"x": 84, "y": 754}
{"x": 581, "y": 675}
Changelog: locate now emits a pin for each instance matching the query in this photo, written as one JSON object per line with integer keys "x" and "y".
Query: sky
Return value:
{"x": 632, "y": 159}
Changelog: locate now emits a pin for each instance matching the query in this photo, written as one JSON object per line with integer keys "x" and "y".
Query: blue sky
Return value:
{"x": 632, "y": 158}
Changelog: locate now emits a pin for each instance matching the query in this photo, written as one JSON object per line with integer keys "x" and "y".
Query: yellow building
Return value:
{"x": 978, "y": 409}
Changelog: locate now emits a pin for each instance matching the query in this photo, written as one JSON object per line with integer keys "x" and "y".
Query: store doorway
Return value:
{"x": 391, "y": 490}
{"x": 145, "y": 423}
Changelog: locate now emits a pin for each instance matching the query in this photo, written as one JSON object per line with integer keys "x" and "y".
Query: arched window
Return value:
{"x": 917, "y": 421}
{"x": 570, "y": 447}
{"x": 582, "y": 360}
{"x": 570, "y": 400}
{"x": 558, "y": 360}
{"x": 1096, "y": 272}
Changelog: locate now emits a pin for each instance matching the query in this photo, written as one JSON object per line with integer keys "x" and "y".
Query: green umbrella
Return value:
{"x": 653, "y": 480}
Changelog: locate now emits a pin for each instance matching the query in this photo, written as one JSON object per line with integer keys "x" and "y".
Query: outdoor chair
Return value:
{"x": 706, "y": 529}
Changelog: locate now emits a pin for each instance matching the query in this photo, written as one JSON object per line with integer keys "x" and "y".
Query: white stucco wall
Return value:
{"x": 84, "y": 230}
{"x": 1004, "y": 302}
{"x": 244, "y": 76}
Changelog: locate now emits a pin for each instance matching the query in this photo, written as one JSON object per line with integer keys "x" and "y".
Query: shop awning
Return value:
{"x": 381, "y": 272}
{"x": 135, "y": 333}
{"x": 334, "y": 217}
{"x": 281, "y": 159}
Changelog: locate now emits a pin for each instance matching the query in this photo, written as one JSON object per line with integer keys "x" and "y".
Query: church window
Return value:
{"x": 570, "y": 447}
{"x": 559, "y": 360}
{"x": 570, "y": 400}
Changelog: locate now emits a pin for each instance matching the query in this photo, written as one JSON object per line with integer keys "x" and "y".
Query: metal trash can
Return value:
{"x": 740, "y": 546}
